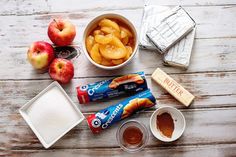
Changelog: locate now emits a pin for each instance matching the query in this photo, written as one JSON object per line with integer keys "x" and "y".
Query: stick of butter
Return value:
{"x": 175, "y": 89}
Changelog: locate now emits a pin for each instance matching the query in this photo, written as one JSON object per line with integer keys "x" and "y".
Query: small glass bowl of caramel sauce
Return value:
{"x": 132, "y": 136}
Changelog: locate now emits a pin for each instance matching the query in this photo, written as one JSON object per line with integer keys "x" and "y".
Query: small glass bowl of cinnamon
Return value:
{"x": 132, "y": 136}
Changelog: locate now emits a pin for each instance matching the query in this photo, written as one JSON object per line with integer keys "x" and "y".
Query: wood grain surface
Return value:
{"x": 211, "y": 77}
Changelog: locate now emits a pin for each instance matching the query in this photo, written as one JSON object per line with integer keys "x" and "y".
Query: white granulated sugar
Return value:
{"x": 52, "y": 114}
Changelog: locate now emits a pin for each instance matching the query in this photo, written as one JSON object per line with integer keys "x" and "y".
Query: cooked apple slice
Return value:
{"x": 107, "y": 30}
{"x": 110, "y": 30}
{"x": 101, "y": 39}
{"x": 116, "y": 42}
{"x": 117, "y": 61}
{"x": 95, "y": 55}
{"x": 112, "y": 52}
{"x": 129, "y": 52}
{"x": 89, "y": 43}
{"x": 109, "y": 23}
{"x": 97, "y": 32}
{"x": 106, "y": 62}
{"x": 125, "y": 32}
{"x": 129, "y": 49}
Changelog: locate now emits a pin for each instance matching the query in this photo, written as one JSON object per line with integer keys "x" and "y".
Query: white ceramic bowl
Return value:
{"x": 51, "y": 114}
{"x": 93, "y": 23}
{"x": 179, "y": 123}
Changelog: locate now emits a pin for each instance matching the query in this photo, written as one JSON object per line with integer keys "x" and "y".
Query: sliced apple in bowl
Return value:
{"x": 110, "y": 41}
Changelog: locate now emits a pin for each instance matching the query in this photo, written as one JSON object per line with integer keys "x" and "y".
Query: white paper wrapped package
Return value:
{"x": 177, "y": 55}
{"x": 152, "y": 16}
{"x": 171, "y": 29}
{"x": 180, "y": 54}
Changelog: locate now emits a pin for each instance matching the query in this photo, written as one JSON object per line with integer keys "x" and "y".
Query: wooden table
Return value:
{"x": 211, "y": 77}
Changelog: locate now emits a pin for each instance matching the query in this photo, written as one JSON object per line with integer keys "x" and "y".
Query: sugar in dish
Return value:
{"x": 51, "y": 114}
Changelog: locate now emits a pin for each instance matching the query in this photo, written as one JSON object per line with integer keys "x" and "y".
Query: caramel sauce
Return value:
{"x": 165, "y": 124}
{"x": 133, "y": 135}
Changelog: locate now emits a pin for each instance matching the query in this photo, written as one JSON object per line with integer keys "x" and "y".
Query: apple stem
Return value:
{"x": 56, "y": 22}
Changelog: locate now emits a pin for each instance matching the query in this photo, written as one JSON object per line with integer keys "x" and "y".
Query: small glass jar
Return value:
{"x": 132, "y": 136}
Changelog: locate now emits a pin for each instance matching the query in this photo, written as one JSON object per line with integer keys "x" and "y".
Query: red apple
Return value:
{"x": 40, "y": 55}
{"x": 61, "y": 32}
{"x": 61, "y": 70}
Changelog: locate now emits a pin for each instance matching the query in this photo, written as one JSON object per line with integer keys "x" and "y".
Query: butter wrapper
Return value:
{"x": 152, "y": 16}
{"x": 179, "y": 55}
{"x": 171, "y": 86}
{"x": 171, "y": 29}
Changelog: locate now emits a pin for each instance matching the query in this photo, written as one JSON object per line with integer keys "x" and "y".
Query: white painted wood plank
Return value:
{"x": 212, "y": 90}
{"x": 226, "y": 150}
{"x": 207, "y": 55}
{"x": 190, "y": 3}
{"x": 22, "y": 7}
{"x": 23, "y": 30}
{"x": 204, "y": 126}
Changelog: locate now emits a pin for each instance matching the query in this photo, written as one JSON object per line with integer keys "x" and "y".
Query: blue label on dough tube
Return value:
{"x": 112, "y": 114}
{"x": 126, "y": 84}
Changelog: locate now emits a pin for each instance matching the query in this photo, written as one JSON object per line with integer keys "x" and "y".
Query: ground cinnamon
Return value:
{"x": 165, "y": 124}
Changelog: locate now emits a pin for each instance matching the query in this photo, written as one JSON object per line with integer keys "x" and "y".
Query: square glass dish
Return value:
{"x": 51, "y": 114}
